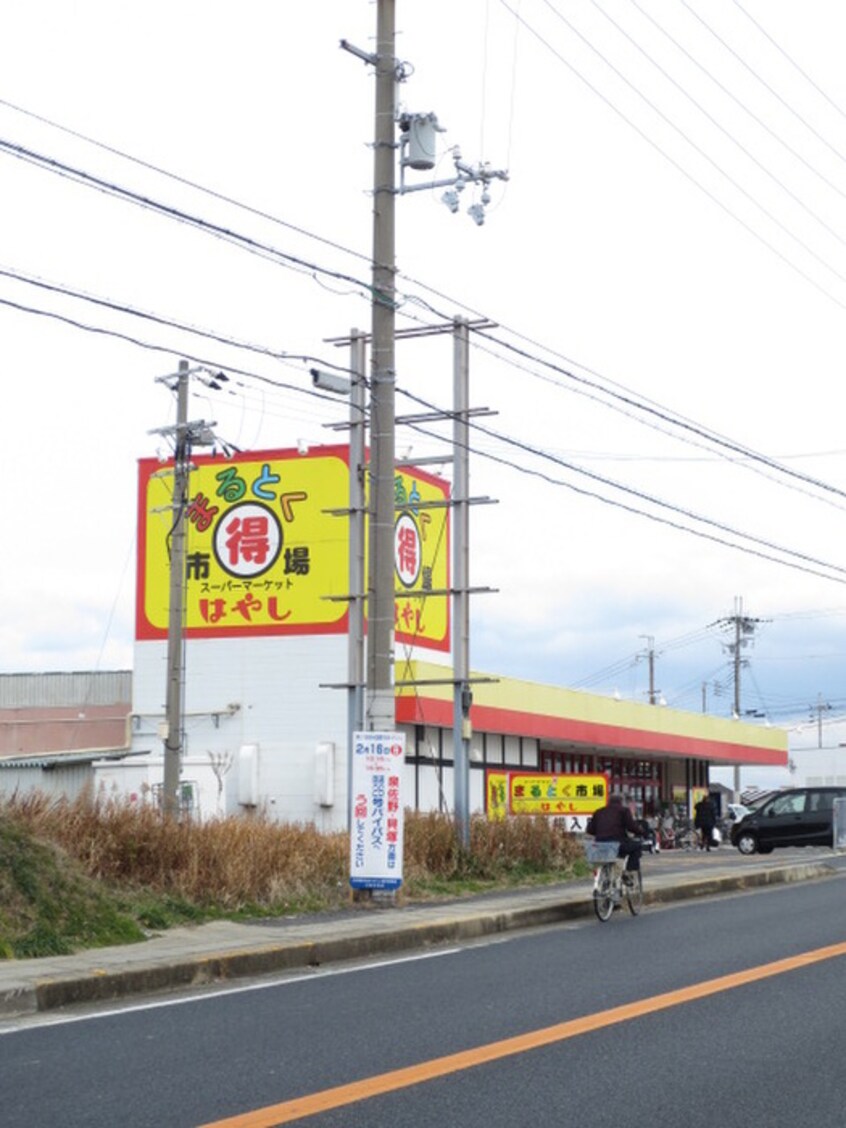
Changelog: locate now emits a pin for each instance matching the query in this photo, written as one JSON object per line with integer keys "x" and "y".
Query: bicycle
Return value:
{"x": 609, "y": 884}
{"x": 687, "y": 836}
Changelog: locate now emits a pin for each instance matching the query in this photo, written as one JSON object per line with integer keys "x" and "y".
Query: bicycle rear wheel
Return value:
{"x": 633, "y": 886}
{"x": 603, "y": 893}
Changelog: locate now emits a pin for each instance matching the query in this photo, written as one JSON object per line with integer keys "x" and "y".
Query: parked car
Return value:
{"x": 801, "y": 816}
{"x": 736, "y": 811}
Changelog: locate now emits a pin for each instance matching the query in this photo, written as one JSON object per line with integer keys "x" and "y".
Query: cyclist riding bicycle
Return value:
{"x": 614, "y": 823}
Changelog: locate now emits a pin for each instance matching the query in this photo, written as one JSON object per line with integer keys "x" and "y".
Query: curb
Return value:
{"x": 100, "y": 985}
{"x": 218, "y": 967}
{"x": 705, "y": 886}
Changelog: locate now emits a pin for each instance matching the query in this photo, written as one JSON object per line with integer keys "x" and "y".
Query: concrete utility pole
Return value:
{"x": 650, "y": 654}
{"x": 462, "y": 696}
{"x": 355, "y": 638}
{"x": 184, "y": 435}
{"x": 820, "y": 708}
{"x": 744, "y": 629}
{"x": 381, "y": 711}
{"x": 173, "y": 706}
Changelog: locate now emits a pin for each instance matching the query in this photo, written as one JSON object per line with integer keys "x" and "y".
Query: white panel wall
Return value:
{"x": 263, "y": 691}
{"x": 427, "y": 783}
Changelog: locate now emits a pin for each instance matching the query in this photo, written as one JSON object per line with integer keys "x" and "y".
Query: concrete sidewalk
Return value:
{"x": 225, "y": 950}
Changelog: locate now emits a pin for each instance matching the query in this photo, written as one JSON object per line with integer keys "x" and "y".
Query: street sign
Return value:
{"x": 376, "y": 826}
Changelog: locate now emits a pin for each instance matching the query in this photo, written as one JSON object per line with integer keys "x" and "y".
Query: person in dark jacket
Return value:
{"x": 705, "y": 819}
{"x": 615, "y": 823}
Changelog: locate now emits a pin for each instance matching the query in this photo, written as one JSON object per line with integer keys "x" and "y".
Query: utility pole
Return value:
{"x": 173, "y": 706}
{"x": 354, "y": 387}
{"x": 820, "y": 708}
{"x": 462, "y": 696}
{"x": 381, "y": 710}
{"x": 355, "y": 637}
{"x": 460, "y": 590}
{"x": 650, "y": 654}
{"x": 744, "y": 629}
{"x": 184, "y": 435}
{"x": 418, "y": 152}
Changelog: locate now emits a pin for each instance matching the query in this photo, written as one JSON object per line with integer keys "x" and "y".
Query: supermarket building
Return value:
{"x": 267, "y": 650}
{"x": 265, "y": 664}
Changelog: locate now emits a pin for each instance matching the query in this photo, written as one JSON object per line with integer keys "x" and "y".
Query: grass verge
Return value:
{"x": 94, "y": 872}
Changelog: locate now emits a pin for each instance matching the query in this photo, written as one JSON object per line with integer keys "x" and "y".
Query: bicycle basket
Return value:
{"x": 601, "y": 851}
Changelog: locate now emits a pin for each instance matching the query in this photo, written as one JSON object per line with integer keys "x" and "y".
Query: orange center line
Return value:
{"x": 314, "y": 1103}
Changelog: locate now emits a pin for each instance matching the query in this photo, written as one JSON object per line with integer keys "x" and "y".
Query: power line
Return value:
{"x": 726, "y": 133}
{"x": 527, "y": 448}
{"x": 277, "y": 254}
{"x": 216, "y": 229}
{"x": 761, "y": 122}
{"x": 641, "y": 512}
{"x": 763, "y": 82}
{"x": 185, "y": 181}
{"x": 254, "y": 246}
{"x": 790, "y": 59}
{"x": 665, "y": 415}
{"x": 680, "y": 168}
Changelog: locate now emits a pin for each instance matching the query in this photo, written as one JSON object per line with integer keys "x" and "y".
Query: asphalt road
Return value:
{"x": 765, "y": 1052}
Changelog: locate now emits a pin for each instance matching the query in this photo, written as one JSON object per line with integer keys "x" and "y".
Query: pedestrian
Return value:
{"x": 705, "y": 819}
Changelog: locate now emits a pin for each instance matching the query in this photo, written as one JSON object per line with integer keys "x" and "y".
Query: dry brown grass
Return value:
{"x": 242, "y": 863}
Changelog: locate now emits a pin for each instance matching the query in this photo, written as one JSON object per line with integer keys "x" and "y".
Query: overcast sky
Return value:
{"x": 665, "y": 265}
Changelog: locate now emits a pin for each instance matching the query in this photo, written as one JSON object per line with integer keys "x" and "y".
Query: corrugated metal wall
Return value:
{"x": 70, "y": 782}
{"x": 95, "y": 687}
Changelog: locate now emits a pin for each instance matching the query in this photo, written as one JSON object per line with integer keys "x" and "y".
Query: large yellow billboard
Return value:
{"x": 267, "y": 549}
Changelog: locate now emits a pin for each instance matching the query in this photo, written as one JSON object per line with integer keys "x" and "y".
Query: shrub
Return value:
{"x": 251, "y": 864}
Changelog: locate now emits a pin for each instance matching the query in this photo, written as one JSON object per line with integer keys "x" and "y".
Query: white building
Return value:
{"x": 265, "y": 659}
{"x": 817, "y": 754}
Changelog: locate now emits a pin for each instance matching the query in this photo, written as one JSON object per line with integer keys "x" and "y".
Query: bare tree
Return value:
{"x": 220, "y": 762}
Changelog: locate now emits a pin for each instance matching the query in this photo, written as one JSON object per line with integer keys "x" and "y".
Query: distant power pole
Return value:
{"x": 650, "y": 654}
{"x": 820, "y": 708}
{"x": 744, "y": 629}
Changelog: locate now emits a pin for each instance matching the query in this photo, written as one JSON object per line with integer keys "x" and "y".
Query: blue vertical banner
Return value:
{"x": 376, "y": 827}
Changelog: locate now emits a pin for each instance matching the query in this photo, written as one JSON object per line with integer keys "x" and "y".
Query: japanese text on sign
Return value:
{"x": 537, "y": 793}
{"x": 266, "y": 552}
{"x": 376, "y": 825}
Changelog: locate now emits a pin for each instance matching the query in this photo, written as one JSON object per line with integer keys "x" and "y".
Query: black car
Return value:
{"x": 801, "y": 816}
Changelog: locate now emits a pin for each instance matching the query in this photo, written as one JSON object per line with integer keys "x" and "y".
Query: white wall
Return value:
{"x": 818, "y": 754}
{"x": 262, "y": 691}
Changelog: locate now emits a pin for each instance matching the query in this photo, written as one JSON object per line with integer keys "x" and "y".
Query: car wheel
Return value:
{"x": 747, "y": 843}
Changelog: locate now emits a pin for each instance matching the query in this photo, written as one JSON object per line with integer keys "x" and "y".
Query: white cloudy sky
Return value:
{"x": 665, "y": 264}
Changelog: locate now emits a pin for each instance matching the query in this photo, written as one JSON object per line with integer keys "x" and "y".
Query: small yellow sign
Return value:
{"x": 538, "y": 793}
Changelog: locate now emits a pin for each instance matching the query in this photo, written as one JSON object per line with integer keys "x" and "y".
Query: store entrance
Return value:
{"x": 642, "y": 780}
